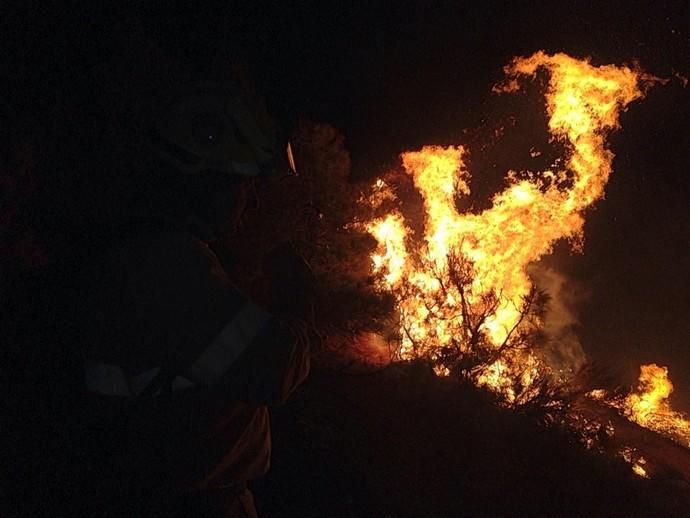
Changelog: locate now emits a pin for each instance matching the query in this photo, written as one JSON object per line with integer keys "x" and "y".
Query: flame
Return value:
{"x": 649, "y": 405}
{"x": 390, "y": 232}
{"x": 583, "y": 103}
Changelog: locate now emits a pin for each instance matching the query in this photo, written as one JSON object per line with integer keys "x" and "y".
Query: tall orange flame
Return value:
{"x": 583, "y": 103}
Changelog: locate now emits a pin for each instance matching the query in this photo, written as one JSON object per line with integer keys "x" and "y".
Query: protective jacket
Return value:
{"x": 179, "y": 365}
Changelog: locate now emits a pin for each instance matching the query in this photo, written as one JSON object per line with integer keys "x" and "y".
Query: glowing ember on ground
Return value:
{"x": 637, "y": 461}
{"x": 638, "y": 468}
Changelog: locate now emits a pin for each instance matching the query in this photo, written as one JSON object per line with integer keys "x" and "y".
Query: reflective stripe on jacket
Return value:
{"x": 207, "y": 369}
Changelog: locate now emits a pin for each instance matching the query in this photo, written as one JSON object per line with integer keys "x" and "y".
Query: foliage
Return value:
{"x": 311, "y": 212}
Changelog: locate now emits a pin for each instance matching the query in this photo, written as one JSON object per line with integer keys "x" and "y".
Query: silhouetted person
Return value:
{"x": 179, "y": 365}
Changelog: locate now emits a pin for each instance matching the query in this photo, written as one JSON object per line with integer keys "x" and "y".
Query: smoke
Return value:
{"x": 563, "y": 351}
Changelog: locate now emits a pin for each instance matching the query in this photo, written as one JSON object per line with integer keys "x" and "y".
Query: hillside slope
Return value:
{"x": 401, "y": 442}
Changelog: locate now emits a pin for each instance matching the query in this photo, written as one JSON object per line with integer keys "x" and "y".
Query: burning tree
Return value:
{"x": 462, "y": 345}
{"x": 464, "y": 295}
{"x": 462, "y": 289}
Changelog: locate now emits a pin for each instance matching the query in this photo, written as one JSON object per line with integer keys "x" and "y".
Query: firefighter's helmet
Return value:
{"x": 210, "y": 127}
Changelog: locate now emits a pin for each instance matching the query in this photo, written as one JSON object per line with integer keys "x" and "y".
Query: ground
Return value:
{"x": 400, "y": 442}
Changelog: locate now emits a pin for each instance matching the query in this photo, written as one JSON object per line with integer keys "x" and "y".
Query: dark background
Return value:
{"x": 395, "y": 78}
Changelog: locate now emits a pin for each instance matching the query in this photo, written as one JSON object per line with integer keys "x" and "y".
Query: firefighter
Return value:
{"x": 180, "y": 367}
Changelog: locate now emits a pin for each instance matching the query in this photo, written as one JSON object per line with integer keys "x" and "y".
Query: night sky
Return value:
{"x": 395, "y": 78}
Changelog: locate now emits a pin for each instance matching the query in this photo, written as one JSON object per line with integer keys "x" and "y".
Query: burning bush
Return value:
{"x": 463, "y": 292}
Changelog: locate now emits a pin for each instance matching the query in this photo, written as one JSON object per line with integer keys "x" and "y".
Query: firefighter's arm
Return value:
{"x": 278, "y": 360}
{"x": 256, "y": 355}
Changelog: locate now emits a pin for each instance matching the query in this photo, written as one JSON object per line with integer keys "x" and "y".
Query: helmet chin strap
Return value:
{"x": 176, "y": 156}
